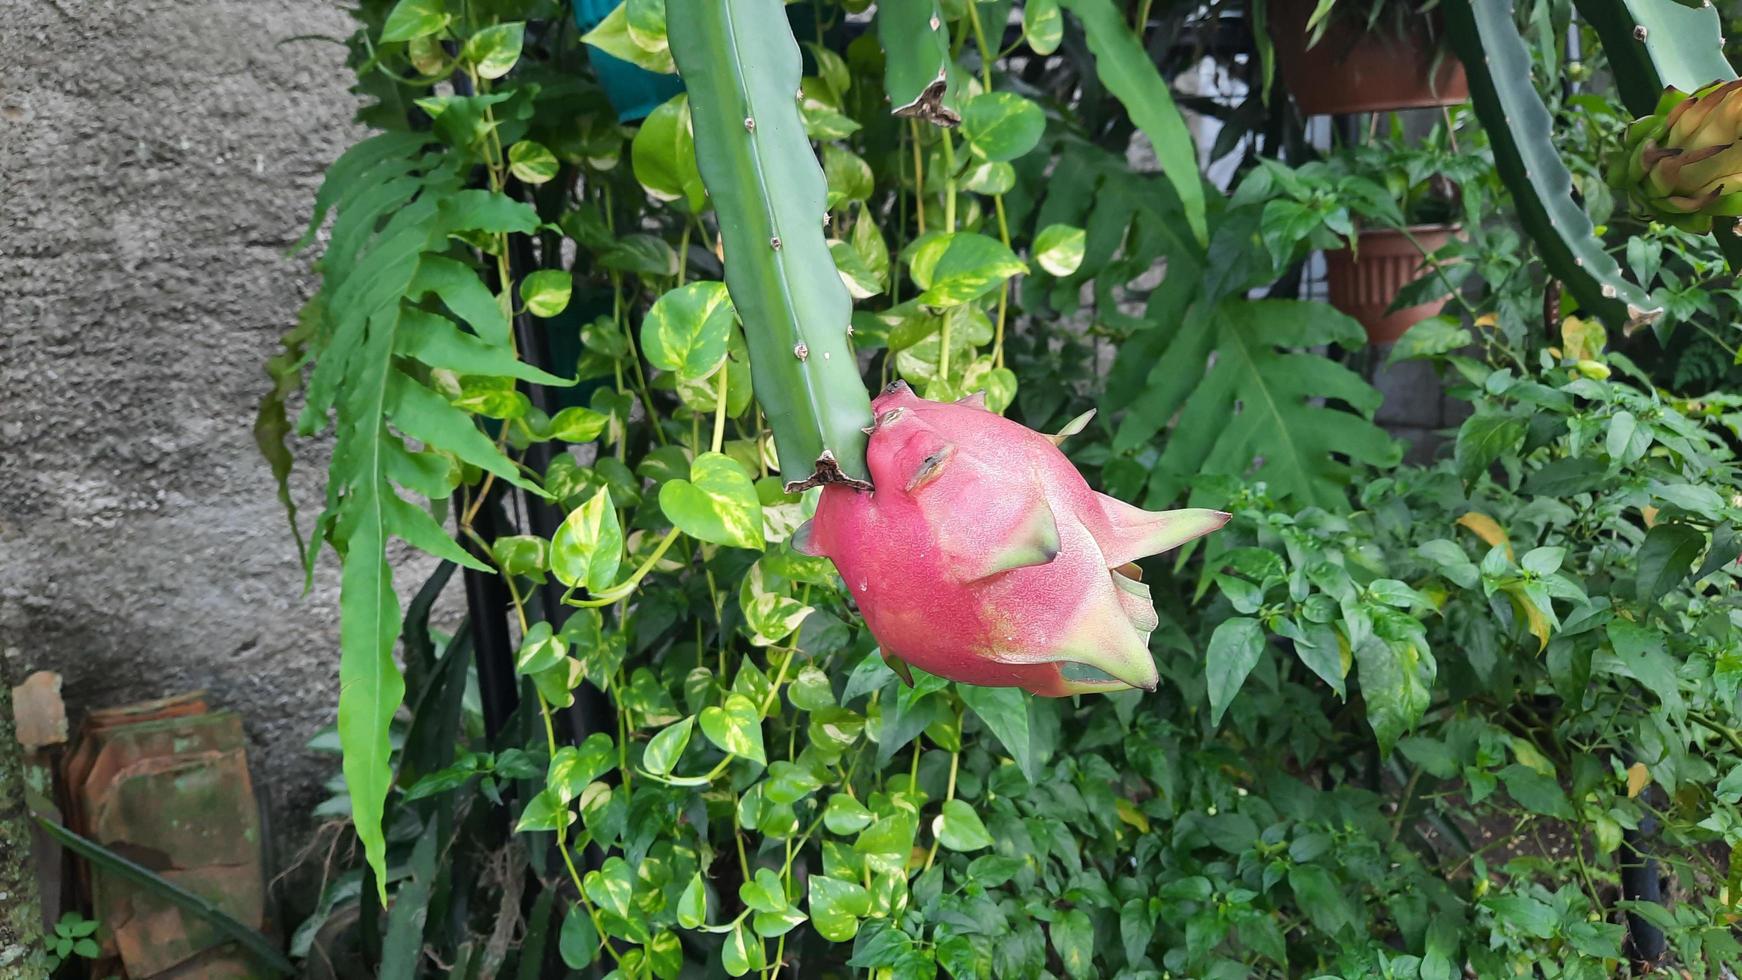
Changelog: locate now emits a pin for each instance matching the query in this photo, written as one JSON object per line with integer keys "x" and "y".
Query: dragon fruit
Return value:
{"x": 983, "y": 556}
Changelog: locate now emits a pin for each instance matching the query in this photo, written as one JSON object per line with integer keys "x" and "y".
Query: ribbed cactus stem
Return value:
{"x": 918, "y": 73}
{"x": 742, "y": 67}
{"x": 1654, "y": 44}
{"x": 1522, "y": 131}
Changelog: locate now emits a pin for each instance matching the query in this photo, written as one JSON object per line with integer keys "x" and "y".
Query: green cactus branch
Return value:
{"x": 918, "y": 74}
{"x": 1653, "y": 44}
{"x": 1521, "y": 131}
{"x": 742, "y": 68}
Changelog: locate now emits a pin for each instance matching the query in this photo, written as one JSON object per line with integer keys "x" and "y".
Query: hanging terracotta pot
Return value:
{"x": 1357, "y": 69}
{"x": 1364, "y": 283}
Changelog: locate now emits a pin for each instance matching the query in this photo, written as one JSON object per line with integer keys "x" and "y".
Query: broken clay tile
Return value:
{"x": 39, "y": 712}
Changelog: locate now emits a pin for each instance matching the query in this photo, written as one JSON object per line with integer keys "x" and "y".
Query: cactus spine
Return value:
{"x": 742, "y": 67}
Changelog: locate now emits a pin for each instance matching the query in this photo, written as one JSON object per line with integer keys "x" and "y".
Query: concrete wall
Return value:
{"x": 156, "y": 159}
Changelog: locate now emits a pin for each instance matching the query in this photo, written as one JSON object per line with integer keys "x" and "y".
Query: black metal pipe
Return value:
{"x": 487, "y": 604}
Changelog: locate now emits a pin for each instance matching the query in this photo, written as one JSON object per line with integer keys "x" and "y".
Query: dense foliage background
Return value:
{"x": 1415, "y": 721}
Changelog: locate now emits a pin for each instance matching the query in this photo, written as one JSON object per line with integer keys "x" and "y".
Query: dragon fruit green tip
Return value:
{"x": 1683, "y": 163}
{"x": 983, "y": 556}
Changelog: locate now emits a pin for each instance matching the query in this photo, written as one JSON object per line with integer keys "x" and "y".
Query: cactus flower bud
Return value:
{"x": 983, "y": 556}
{"x": 1683, "y": 163}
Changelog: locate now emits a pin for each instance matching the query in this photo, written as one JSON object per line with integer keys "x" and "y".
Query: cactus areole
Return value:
{"x": 983, "y": 556}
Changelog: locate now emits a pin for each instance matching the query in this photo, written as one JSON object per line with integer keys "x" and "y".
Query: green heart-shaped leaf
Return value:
{"x": 588, "y": 546}
{"x": 736, "y": 727}
{"x": 688, "y": 328}
{"x": 716, "y": 504}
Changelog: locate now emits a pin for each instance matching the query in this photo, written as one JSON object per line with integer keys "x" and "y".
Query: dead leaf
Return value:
{"x": 1638, "y": 777}
{"x": 1487, "y": 529}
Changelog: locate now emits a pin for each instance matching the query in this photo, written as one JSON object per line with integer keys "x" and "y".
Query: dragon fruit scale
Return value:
{"x": 984, "y": 557}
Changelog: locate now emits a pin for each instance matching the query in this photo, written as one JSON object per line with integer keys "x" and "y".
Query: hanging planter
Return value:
{"x": 1397, "y": 64}
{"x": 1365, "y": 282}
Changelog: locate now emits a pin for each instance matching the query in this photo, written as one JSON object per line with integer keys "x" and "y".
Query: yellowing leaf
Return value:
{"x": 1638, "y": 777}
{"x": 1650, "y": 515}
{"x": 1487, "y": 529}
{"x": 1130, "y": 815}
{"x": 1535, "y": 620}
{"x": 1583, "y": 339}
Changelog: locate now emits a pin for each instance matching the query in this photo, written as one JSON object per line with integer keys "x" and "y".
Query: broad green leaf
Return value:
{"x": 845, "y": 815}
{"x": 532, "y": 163}
{"x": 736, "y": 727}
{"x": 641, "y": 254}
{"x": 1483, "y": 438}
{"x": 860, "y": 280}
{"x": 742, "y": 951}
{"x": 588, "y": 546}
{"x": 411, "y": 19}
{"x": 718, "y": 503}
{"x": 546, "y": 292}
{"x": 1536, "y": 792}
{"x": 1666, "y": 557}
{"x": 959, "y": 828}
{"x": 646, "y": 24}
{"x": 665, "y": 955}
{"x": 688, "y": 329}
{"x": 1319, "y": 896}
{"x": 1059, "y": 249}
{"x": 613, "y": 37}
{"x": 989, "y": 177}
{"x": 663, "y": 154}
{"x": 1126, "y": 69}
{"x": 1001, "y": 125}
{"x": 1004, "y": 710}
{"x": 955, "y": 267}
{"x": 837, "y": 906}
{"x": 1397, "y": 677}
{"x": 572, "y": 768}
{"x": 770, "y": 613}
{"x": 811, "y": 690}
{"x": 692, "y": 905}
{"x": 1525, "y": 914}
{"x": 1043, "y": 26}
{"x": 1234, "y": 650}
{"x": 540, "y": 650}
{"x": 666, "y": 747}
{"x": 577, "y": 424}
{"x": 545, "y": 811}
{"x": 849, "y": 177}
{"x": 494, "y": 50}
{"x": 1644, "y": 655}
{"x": 1073, "y": 935}
{"x": 612, "y": 886}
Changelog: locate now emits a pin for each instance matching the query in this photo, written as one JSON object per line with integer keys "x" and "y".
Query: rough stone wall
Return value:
{"x": 157, "y": 157}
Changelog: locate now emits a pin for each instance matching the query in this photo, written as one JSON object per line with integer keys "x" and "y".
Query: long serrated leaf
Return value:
{"x": 1126, "y": 69}
{"x": 1261, "y": 413}
{"x": 742, "y": 69}
{"x": 437, "y": 342}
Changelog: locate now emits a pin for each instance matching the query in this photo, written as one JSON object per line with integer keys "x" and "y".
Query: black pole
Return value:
{"x": 487, "y": 603}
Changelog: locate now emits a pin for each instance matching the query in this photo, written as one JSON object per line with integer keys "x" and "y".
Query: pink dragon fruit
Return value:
{"x": 983, "y": 556}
